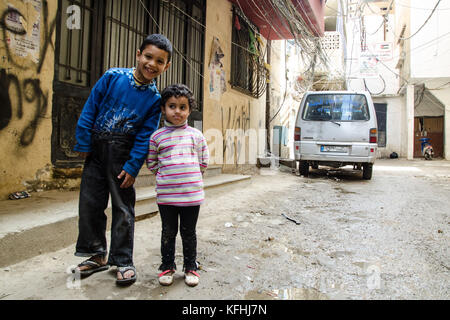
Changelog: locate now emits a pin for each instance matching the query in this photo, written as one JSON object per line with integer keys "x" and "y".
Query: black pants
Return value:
{"x": 99, "y": 179}
{"x": 188, "y": 221}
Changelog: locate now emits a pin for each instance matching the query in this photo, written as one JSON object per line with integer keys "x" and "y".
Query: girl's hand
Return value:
{"x": 128, "y": 181}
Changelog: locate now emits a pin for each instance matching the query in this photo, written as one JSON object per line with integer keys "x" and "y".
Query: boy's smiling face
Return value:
{"x": 176, "y": 110}
{"x": 151, "y": 62}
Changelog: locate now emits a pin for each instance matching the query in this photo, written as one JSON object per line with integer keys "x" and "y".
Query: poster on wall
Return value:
{"x": 23, "y": 30}
{"x": 217, "y": 79}
{"x": 368, "y": 65}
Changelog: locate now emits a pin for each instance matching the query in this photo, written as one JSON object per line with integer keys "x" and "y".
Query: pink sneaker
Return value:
{"x": 166, "y": 277}
{"x": 191, "y": 278}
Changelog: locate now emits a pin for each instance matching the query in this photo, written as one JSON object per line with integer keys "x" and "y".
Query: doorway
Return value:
{"x": 429, "y": 127}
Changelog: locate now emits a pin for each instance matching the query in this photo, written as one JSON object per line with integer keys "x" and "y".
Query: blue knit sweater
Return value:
{"x": 118, "y": 105}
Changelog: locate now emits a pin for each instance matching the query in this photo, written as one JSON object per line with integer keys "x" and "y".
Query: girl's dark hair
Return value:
{"x": 160, "y": 41}
{"x": 178, "y": 90}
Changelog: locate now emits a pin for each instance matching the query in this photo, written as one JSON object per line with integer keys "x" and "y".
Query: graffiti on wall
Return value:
{"x": 235, "y": 129}
{"x": 25, "y": 54}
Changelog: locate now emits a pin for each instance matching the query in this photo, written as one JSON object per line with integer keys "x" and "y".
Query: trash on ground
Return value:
{"x": 296, "y": 222}
{"x": 250, "y": 267}
{"x": 269, "y": 239}
{"x": 19, "y": 195}
{"x": 272, "y": 294}
{"x": 228, "y": 224}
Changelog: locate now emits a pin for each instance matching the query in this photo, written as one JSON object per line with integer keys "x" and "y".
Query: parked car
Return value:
{"x": 335, "y": 129}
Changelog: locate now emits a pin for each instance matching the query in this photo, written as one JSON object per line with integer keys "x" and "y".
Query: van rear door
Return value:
{"x": 335, "y": 123}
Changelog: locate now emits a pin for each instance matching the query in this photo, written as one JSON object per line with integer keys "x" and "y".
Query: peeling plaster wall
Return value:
{"x": 233, "y": 110}
{"x": 27, "y": 37}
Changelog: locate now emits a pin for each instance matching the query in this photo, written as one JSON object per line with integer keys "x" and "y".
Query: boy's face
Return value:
{"x": 176, "y": 110}
{"x": 151, "y": 63}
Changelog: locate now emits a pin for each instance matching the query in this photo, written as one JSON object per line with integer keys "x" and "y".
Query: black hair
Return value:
{"x": 160, "y": 41}
{"x": 178, "y": 90}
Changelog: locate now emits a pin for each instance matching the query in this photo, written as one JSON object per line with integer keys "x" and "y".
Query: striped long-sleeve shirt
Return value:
{"x": 178, "y": 155}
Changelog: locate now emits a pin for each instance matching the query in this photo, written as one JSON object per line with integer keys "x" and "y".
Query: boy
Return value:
{"x": 112, "y": 134}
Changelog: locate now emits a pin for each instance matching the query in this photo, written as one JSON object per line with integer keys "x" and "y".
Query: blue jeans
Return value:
{"x": 99, "y": 179}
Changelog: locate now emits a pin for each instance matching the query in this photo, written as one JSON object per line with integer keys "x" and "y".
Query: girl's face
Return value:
{"x": 176, "y": 110}
{"x": 151, "y": 62}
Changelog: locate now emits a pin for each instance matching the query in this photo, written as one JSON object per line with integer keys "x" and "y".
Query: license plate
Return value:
{"x": 333, "y": 149}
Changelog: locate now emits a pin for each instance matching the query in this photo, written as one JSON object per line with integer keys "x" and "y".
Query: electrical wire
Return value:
{"x": 434, "y": 9}
{"x": 375, "y": 93}
{"x": 398, "y": 3}
{"x": 285, "y": 88}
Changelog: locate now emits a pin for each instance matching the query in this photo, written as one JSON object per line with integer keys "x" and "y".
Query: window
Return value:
{"x": 380, "y": 110}
{"x": 336, "y": 107}
{"x": 247, "y": 65}
{"x": 74, "y": 45}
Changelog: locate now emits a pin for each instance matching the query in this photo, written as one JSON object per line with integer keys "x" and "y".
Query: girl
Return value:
{"x": 178, "y": 155}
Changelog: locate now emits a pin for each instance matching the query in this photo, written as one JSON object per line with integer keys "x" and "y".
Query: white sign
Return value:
{"x": 368, "y": 65}
{"x": 383, "y": 51}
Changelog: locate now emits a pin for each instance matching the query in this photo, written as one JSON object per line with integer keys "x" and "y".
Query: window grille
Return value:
{"x": 248, "y": 73}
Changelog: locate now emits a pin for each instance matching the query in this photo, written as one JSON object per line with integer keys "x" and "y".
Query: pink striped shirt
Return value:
{"x": 178, "y": 155}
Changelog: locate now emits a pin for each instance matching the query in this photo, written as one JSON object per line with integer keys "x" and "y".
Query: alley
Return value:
{"x": 386, "y": 238}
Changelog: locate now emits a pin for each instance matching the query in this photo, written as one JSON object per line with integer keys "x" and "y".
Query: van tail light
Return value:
{"x": 373, "y": 135}
{"x": 297, "y": 134}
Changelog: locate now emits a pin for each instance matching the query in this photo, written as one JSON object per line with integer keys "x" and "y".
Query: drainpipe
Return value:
{"x": 410, "y": 122}
{"x": 269, "y": 46}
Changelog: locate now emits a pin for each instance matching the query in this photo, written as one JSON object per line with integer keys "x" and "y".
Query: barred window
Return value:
{"x": 247, "y": 67}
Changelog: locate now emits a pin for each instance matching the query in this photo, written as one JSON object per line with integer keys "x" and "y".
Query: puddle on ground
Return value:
{"x": 287, "y": 294}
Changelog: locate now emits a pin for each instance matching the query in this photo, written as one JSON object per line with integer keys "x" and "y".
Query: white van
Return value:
{"x": 335, "y": 129}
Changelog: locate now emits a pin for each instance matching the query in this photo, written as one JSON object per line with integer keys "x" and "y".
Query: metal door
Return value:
{"x": 109, "y": 33}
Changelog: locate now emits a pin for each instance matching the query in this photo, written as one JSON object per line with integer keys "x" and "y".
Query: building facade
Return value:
{"x": 53, "y": 52}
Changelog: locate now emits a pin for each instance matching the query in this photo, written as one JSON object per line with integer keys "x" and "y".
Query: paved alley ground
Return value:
{"x": 387, "y": 238}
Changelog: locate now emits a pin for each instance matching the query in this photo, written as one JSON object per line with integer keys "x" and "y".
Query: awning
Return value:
{"x": 272, "y": 24}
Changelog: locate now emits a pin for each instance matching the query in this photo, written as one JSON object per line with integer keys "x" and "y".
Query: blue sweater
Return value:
{"x": 117, "y": 105}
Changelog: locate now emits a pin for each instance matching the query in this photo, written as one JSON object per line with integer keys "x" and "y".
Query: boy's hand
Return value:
{"x": 128, "y": 181}
{"x": 84, "y": 154}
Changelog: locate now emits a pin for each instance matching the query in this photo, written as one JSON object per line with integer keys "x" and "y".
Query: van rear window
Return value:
{"x": 336, "y": 107}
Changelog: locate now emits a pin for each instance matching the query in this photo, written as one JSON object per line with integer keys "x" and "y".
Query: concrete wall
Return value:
{"x": 27, "y": 37}
{"x": 395, "y": 126}
{"x": 230, "y": 110}
{"x": 430, "y": 46}
{"x": 444, "y": 96}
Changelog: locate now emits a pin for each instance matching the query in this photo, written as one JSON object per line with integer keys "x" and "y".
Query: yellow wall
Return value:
{"x": 234, "y": 110}
{"x": 26, "y": 77}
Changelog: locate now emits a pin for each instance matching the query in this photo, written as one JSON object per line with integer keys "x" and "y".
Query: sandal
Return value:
{"x": 165, "y": 278}
{"x": 191, "y": 278}
{"x": 94, "y": 266}
{"x": 126, "y": 281}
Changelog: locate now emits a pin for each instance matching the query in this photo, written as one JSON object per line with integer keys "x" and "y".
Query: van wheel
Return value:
{"x": 304, "y": 168}
{"x": 367, "y": 171}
